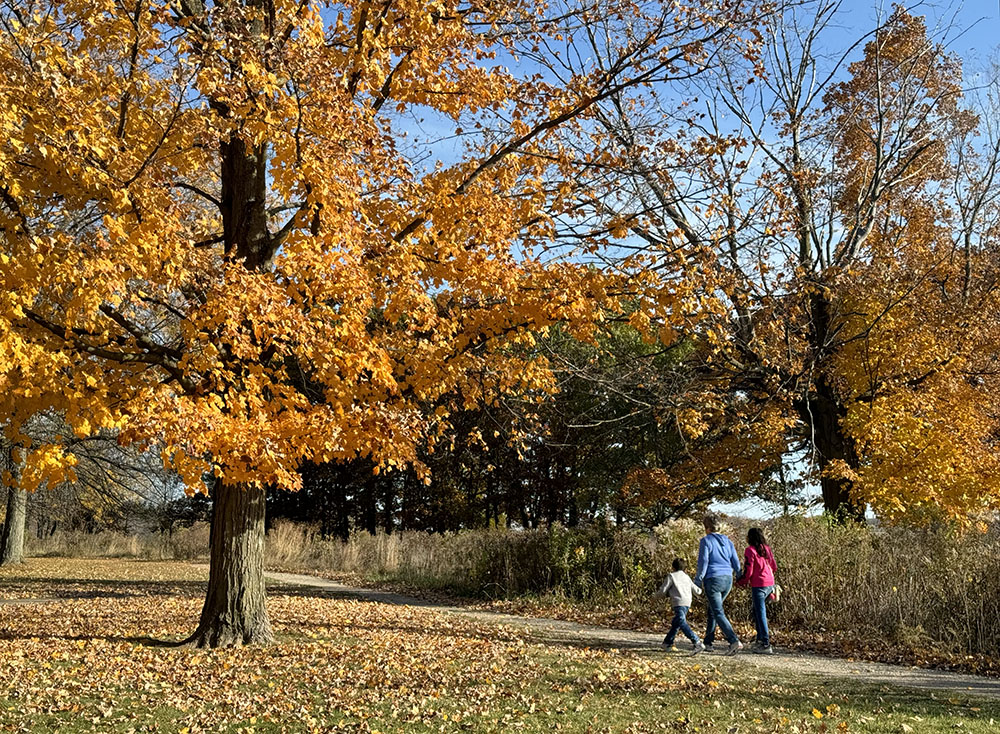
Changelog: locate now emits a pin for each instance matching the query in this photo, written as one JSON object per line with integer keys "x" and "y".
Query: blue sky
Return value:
{"x": 972, "y": 28}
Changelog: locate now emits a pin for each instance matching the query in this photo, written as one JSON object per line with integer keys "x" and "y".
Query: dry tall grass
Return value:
{"x": 901, "y": 585}
{"x": 186, "y": 544}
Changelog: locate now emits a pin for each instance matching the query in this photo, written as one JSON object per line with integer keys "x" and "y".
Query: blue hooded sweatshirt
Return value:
{"x": 716, "y": 557}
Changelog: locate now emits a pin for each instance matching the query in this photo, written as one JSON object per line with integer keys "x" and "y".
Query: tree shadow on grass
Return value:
{"x": 540, "y": 630}
{"x": 533, "y": 636}
{"x": 64, "y": 589}
{"x": 58, "y": 590}
{"x": 376, "y": 596}
{"x": 142, "y": 640}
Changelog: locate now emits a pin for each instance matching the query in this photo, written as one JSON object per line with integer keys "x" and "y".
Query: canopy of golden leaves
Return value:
{"x": 390, "y": 280}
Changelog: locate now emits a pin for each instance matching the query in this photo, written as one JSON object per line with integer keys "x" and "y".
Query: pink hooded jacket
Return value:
{"x": 758, "y": 570}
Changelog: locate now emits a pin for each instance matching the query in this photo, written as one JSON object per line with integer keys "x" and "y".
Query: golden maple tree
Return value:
{"x": 223, "y": 230}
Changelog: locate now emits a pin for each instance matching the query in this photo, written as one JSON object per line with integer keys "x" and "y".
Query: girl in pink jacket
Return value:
{"x": 758, "y": 573}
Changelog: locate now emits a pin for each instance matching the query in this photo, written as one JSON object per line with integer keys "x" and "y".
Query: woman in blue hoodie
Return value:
{"x": 718, "y": 563}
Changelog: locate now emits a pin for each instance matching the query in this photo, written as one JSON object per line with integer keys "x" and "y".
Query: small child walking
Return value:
{"x": 679, "y": 587}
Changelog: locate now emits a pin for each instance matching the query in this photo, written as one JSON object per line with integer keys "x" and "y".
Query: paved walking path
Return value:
{"x": 561, "y": 632}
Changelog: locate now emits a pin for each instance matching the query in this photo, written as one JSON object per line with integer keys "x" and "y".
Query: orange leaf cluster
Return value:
{"x": 369, "y": 276}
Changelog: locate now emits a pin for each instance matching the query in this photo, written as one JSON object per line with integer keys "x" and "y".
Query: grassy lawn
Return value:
{"x": 82, "y": 664}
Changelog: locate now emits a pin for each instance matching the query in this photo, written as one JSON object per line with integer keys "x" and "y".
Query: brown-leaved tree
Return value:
{"x": 839, "y": 202}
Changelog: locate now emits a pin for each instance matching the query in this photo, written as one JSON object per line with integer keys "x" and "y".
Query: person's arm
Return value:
{"x": 665, "y": 587}
{"x": 695, "y": 588}
{"x": 744, "y": 579}
{"x": 770, "y": 559}
{"x": 734, "y": 561}
{"x": 702, "y": 563}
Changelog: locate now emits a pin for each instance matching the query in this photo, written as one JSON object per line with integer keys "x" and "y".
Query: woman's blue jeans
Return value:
{"x": 759, "y": 606}
{"x": 716, "y": 590}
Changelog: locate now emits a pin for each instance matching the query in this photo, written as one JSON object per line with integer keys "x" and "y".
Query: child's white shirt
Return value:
{"x": 679, "y": 587}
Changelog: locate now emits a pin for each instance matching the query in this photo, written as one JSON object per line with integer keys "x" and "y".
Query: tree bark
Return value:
{"x": 824, "y": 413}
{"x": 833, "y": 445}
{"x": 12, "y": 541}
{"x": 369, "y": 511}
{"x": 12, "y": 538}
{"x": 234, "y": 613}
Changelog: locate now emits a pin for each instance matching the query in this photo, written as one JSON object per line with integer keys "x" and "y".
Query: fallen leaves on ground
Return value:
{"x": 339, "y": 664}
{"x": 87, "y": 664}
{"x": 68, "y": 578}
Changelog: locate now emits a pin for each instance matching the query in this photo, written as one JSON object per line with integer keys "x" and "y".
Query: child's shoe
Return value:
{"x": 734, "y": 648}
{"x": 698, "y": 647}
{"x": 763, "y": 650}
{"x": 668, "y": 647}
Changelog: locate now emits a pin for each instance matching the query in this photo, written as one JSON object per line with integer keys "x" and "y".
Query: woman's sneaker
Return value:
{"x": 763, "y": 649}
{"x": 698, "y": 647}
{"x": 734, "y": 648}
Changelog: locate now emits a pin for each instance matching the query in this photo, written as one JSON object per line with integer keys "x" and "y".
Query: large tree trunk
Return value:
{"x": 834, "y": 446}
{"x": 12, "y": 540}
{"x": 824, "y": 413}
{"x": 234, "y": 612}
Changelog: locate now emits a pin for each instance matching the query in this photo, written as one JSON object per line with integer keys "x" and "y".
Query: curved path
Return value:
{"x": 571, "y": 633}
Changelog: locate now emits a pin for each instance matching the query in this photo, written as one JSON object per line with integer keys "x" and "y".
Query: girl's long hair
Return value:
{"x": 755, "y": 537}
